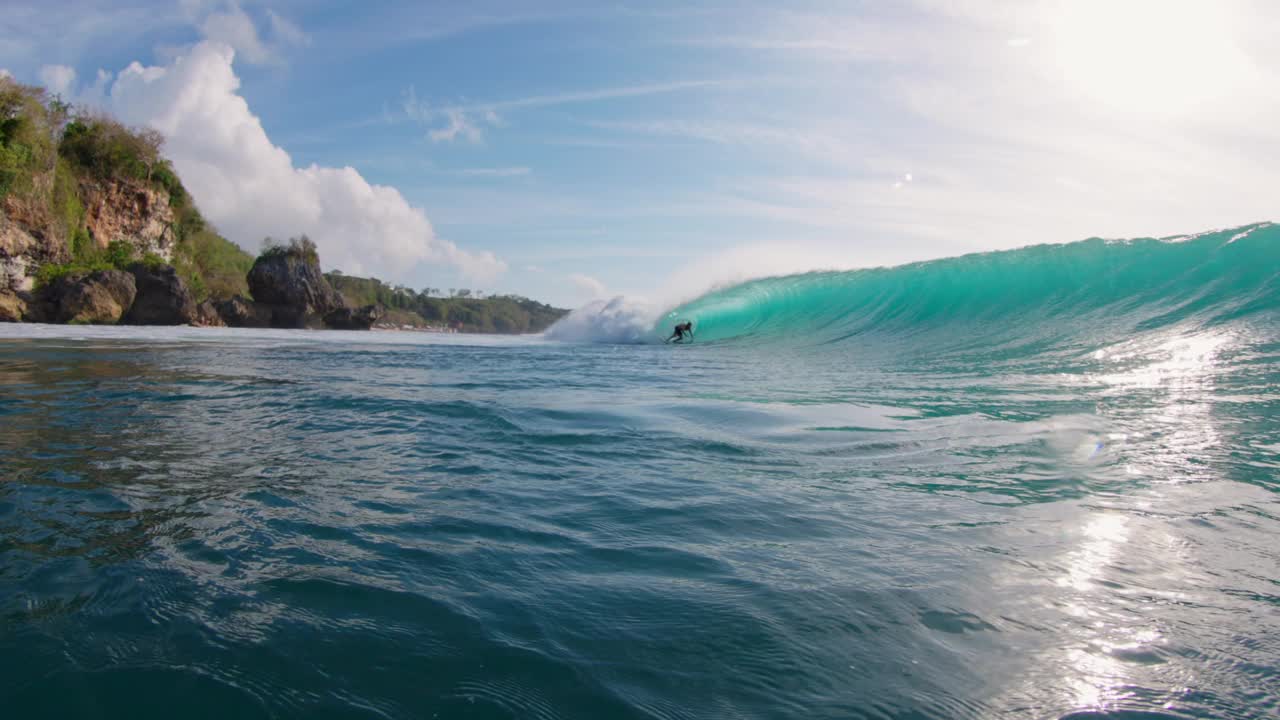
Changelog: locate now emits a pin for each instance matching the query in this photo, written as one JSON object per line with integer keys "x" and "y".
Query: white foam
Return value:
{"x": 620, "y": 320}
{"x": 153, "y": 334}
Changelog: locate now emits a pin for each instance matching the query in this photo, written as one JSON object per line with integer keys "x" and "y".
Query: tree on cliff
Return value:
{"x": 108, "y": 149}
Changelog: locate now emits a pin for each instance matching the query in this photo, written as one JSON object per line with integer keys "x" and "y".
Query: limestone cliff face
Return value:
{"x": 135, "y": 213}
{"x": 15, "y": 256}
{"x": 113, "y": 210}
{"x": 25, "y": 243}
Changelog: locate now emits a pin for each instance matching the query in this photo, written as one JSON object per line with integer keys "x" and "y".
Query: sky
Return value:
{"x": 571, "y": 152}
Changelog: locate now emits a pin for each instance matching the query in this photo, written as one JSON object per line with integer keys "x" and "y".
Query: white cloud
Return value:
{"x": 58, "y": 79}
{"x": 249, "y": 188}
{"x": 464, "y": 119}
{"x": 232, "y": 26}
{"x": 591, "y": 287}
{"x": 96, "y": 94}
{"x": 285, "y": 31}
{"x": 459, "y": 122}
{"x": 459, "y": 125}
{"x": 5, "y": 74}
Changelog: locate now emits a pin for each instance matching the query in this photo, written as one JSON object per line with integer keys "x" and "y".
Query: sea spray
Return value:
{"x": 620, "y": 320}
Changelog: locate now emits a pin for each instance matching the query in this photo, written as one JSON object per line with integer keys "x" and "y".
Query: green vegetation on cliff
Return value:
{"x": 53, "y": 157}
{"x": 213, "y": 266}
{"x": 494, "y": 314}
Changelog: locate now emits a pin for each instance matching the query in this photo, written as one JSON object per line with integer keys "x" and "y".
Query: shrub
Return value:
{"x": 118, "y": 254}
{"x": 164, "y": 176}
{"x": 109, "y": 150}
{"x": 49, "y": 272}
{"x": 26, "y": 136}
{"x": 212, "y": 265}
{"x": 82, "y": 246}
{"x": 301, "y": 247}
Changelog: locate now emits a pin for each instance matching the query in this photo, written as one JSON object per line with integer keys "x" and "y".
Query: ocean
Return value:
{"x": 1042, "y": 483}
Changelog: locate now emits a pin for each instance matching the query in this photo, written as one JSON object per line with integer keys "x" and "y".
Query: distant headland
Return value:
{"x": 97, "y": 228}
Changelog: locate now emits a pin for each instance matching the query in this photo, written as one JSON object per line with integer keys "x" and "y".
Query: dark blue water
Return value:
{"x": 214, "y": 523}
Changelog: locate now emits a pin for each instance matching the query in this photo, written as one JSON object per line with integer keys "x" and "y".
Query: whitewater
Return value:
{"x": 1035, "y": 483}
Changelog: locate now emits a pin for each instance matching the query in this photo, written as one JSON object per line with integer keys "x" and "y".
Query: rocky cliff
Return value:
{"x": 81, "y": 193}
{"x": 118, "y": 210}
{"x": 26, "y": 243}
{"x": 96, "y": 227}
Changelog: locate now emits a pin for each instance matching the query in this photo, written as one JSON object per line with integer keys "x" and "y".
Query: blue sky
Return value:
{"x": 573, "y": 151}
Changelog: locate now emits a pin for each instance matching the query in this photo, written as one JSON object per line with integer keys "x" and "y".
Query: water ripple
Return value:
{"x": 252, "y": 525}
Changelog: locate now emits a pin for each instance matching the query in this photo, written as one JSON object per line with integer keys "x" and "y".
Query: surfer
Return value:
{"x": 681, "y": 329}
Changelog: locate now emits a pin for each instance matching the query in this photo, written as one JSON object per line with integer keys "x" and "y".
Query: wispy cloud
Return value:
{"x": 35, "y": 32}
{"x": 231, "y": 25}
{"x": 819, "y": 36}
{"x": 465, "y": 120}
{"x": 813, "y": 142}
{"x": 424, "y": 23}
{"x": 583, "y": 96}
{"x": 286, "y": 30}
{"x": 458, "y": 125}
{"x": 430, "y": 22}
{"x": 496, "y": 172}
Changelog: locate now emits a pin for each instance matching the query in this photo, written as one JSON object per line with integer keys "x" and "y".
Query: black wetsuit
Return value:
{"x": 678, "y": 334}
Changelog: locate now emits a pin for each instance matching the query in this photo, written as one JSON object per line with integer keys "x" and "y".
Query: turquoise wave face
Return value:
{"x": 1037, "y": 297}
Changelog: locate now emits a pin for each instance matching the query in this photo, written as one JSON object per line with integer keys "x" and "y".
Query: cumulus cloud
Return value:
{"x": 58, "y": 79}
{"x": 95, "y": 95}
{"x": 6, "y": 74}
{"x": 251, "y": 189}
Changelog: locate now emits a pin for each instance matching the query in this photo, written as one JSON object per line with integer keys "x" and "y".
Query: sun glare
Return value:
{"x": 1154, "y": 56}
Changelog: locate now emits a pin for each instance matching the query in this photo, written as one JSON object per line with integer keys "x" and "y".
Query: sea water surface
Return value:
{"x": 1035, "y": 484}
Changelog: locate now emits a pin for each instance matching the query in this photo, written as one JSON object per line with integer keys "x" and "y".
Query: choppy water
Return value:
{"x": 901, "y": 502}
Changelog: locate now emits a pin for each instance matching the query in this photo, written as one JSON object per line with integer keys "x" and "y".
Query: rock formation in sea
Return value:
{"x": 347, "y": 318}
{"x": 163, "y": 298}
{"x": 101, "y": 297}
{"x": 290, "y": 291}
